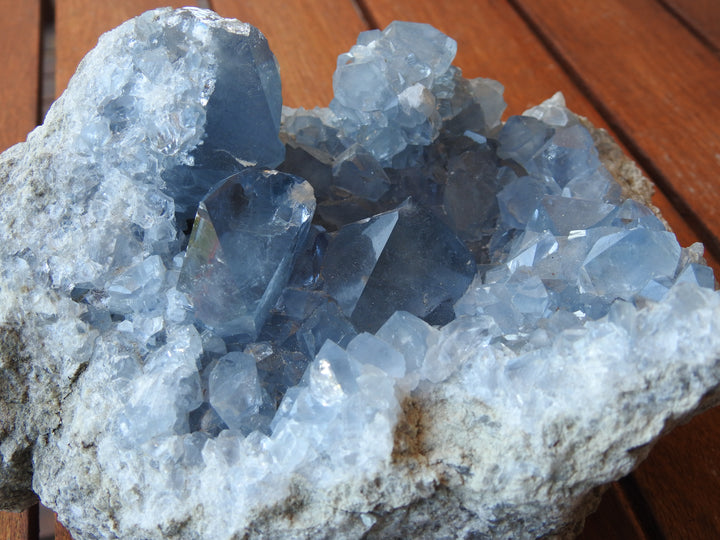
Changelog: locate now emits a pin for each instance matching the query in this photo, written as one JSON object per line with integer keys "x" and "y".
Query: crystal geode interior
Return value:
{"x": 409, "y": 242}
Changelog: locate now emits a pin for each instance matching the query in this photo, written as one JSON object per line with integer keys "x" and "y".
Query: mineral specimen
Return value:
{"x": 461, "y": 330}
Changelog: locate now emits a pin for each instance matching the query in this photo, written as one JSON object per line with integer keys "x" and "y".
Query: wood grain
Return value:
{"x": 19, "y": 526}
{"x": 20, "y": 53}
{"x": 702, "y": 15}
{"x": 614, "y": 518}
{"x": 657, "y": 85}
{"x": 306, "y": 37}
{"x": 61, "y": 533}
{"x": 79, "y": 24}
{"x": 680, "y": 480}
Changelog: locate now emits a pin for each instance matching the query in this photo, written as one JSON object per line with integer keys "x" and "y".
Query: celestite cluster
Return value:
{"x": 425, "y": 323}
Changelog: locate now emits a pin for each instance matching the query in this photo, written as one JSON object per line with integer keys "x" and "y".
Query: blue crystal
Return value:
{"x": 469, "y": 200}
{"x": 698, "y": 274}
{"x": 520, "y": 197}
{"x": 406, "y": 260}
{"x": 240, "y": 254}
{"x": 631, "y": 214}
{"x": 522, "y": 138}
{"x": 351, "y": 257}
{"x": 278, "y": 369}
{"x": 562, "y": 215}
{"x": 363, "y": 85}
{"x": 369, "y": 349}
{"x": 621, "y": 264}
{"x": 235, "y": 392}
{"x": 242, "y": 115}
{"x": 358, "y": 172}
{"x": 303, "y": 320}
{"x": 409, "y": 335}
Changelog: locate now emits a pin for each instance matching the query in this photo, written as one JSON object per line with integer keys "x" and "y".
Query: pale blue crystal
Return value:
{"x": 362, "y": 85}
{"x": 409, "y": 335}
{"x": 368, "y": 349}
{"x": 235, "y": 392}
{"x": 136, "y": 290}
{"x": 521, "y": 139}
{"x": 631, "y": 214}
{"x": 563, "y": 215}
{"x": 621, "y": 264}
{"x": 241, "y": 251}
{"x": 344, "y": 369}
{"x": 698, "y": 274}
{"x": 519, "y": 199}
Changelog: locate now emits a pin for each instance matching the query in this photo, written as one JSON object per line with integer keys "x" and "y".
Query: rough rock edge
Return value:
{"x": 635, "y": 185}
{"x": 16, "y": 469}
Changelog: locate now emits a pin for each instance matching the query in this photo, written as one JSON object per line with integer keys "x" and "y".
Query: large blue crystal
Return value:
{"x": 241, "y": 251}
{"x": 247, "y": 74}
{"x": 406, "y": 259}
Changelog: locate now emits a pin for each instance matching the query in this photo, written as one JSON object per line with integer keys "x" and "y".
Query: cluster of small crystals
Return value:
{"x": 566, "y": 246}
{"x": 407, "y": 233}
{"x": 529, "y": 201}
{"x": 161, "y": 151}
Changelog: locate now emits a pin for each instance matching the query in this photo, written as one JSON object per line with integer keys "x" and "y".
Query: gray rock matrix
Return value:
{"x": 505, "y": 422}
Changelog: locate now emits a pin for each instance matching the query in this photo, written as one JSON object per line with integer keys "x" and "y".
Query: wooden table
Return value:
{"x": 647, "y": 70}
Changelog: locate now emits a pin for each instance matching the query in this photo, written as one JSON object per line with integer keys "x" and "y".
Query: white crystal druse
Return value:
{"x": 425, "y": 323}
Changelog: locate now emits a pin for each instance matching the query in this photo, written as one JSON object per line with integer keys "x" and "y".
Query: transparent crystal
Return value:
{"x": 242, "y": 248}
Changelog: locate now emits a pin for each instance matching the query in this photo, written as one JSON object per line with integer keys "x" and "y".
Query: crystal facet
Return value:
{"x": 242, "y": 248}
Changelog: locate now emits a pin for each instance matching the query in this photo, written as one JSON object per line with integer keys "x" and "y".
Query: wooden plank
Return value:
{"x": 614, "y": 518}
{"x": 660, "y": 86}
{"x": 306, "y": 38}
{"x": 657, "y": 85}
{"x": 79, "y": 24}
{"x": 703, "y": 16}
{"x": 61, "y": 533}
{"x": 20, "y": 53}
{"x": 680, "y": 480}
{"x": 19, "y": 526}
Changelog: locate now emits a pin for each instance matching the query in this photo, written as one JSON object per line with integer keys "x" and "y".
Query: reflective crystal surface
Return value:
{"x": 242, "y": 248}
{"x": 405, "y": 260}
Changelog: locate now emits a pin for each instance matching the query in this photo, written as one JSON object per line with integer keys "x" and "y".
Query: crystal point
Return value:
{"x": 243, "y": 244}
{"x": 406, "y": 260}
